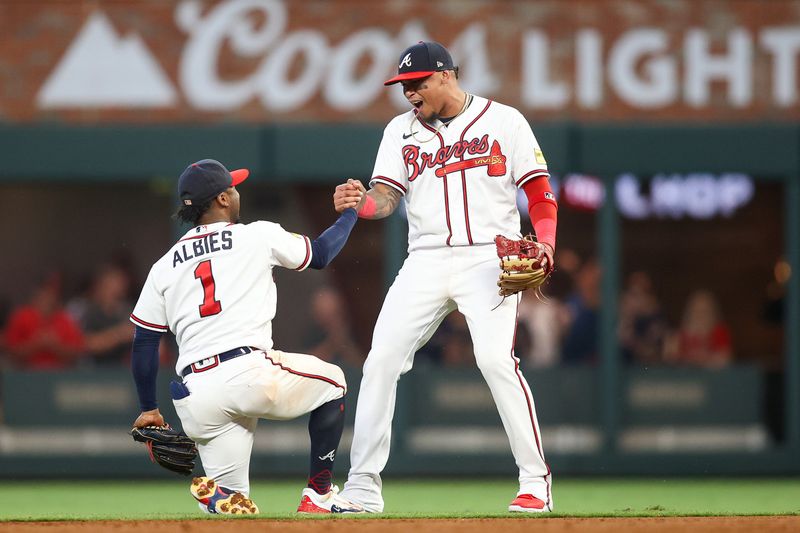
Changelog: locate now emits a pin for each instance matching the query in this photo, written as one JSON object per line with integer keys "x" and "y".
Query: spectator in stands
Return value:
{"x": 703, "y": 338}
{"x": 580, "y": 343}
{"x": 543, "y": 321}
{"x": 331, "y": 338}
{"x": 41, "y": 335}
{"x": 642, "y": 326}
{"x": 107, "y": 329}
{"x": 5, "y": 310}
{"x": 774, "y": 302}
{"x": 541, "y": 317}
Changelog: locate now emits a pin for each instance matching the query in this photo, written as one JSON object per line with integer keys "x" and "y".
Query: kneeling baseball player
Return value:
{"x": 214, "y": 289}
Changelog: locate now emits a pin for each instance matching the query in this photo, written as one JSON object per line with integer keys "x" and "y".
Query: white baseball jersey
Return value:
{"x": 214, "y": 287}
{"x": 460, "y": 183}
{"x": 460, "y": 180}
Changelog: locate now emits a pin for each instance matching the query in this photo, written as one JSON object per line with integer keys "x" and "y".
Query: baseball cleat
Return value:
{"x": 528, "y": 503}
{"x": 330, "y": 502}
{"x": 219, "y": 500}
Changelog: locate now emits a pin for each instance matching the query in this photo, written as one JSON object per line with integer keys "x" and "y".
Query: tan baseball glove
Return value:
{"x": 525, "y": 264}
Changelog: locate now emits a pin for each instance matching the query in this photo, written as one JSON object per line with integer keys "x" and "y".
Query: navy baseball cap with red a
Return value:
{"x": 202, "y": 181}
{"x": 420, "y": 61}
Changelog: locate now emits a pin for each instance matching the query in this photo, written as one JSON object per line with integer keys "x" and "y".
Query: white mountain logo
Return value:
{"x": 104, "y": 69}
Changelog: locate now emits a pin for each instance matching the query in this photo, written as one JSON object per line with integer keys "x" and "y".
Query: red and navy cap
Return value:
{"x": 202, "y": 181}
{"x": 420, "y": 61}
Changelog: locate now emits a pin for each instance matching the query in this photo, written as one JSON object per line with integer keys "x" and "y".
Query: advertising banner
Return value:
{"x": 325, "y": 60}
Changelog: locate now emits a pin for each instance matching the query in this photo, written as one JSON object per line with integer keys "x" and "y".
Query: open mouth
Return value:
{"x": 417, "y": 104}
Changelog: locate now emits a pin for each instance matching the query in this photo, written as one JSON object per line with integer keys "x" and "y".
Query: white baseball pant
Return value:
{"x": 225, "y": 403}
{"x": 430, "y": 285}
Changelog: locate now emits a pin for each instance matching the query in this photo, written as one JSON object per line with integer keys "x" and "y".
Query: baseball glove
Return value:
{"x": 525, "y": 264}
{"x": 169, "y": 448}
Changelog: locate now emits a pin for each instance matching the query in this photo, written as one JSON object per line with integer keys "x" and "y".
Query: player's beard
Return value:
{"x": 431, "y": 117}
{"x": 428, "y": 118}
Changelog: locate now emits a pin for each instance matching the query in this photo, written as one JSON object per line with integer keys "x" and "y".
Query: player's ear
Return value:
{"x": 450, "y": 76}
{"x": 224, "y": 199}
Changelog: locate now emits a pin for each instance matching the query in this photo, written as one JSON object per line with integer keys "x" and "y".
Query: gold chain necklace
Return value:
{"x": 467, "y": 100}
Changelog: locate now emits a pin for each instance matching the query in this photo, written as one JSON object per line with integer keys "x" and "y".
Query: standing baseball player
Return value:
{"x": 458, "y": 159}
{"x": 214, "y": 289}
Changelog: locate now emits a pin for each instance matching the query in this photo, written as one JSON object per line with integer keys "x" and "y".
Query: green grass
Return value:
{"x": 410, "y": 499}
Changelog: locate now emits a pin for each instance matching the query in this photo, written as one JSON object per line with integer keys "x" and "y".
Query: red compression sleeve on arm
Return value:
{"x": 368, "y": 209}
{"x": 543, "y": 209}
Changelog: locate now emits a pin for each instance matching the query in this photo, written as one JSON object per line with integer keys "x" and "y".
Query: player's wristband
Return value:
{"x": 368, "y": 209}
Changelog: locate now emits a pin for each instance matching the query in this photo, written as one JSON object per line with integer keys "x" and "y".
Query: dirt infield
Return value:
{"x": 763, "y": 524}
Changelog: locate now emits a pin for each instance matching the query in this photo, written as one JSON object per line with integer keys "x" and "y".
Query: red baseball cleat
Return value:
{"x": 330, "y": 502}
{"x": 528, "y": 503}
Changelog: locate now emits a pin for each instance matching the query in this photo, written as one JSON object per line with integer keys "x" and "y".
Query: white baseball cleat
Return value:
{"x": 330, "y": 502}
{"x": 528, "y": 503}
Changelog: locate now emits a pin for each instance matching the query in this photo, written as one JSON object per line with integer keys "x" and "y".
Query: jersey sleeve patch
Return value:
{"x": 148, "y": 325}
{"x": 539, "y": 155}
{"x": 388, "y": 181}
{"x": 533, "y": 174}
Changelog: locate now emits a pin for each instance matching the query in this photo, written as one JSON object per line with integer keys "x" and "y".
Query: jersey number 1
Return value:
{"x": 211, "y": 306}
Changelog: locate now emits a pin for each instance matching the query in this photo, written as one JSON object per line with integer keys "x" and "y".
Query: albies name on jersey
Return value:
{"x": 202, "y": 245}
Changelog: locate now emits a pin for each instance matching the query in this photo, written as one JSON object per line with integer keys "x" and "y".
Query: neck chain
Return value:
{"x": 467, "y": 100}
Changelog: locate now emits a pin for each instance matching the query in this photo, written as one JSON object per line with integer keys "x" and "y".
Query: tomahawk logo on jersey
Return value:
{"x": 470, "y": 169}
{"x": 187, "y": 289}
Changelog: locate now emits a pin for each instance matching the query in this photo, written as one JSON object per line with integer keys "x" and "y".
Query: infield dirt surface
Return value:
{"x": 734, "y": 524}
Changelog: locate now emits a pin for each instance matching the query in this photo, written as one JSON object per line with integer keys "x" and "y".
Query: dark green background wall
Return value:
{"x": 314, "y": 154}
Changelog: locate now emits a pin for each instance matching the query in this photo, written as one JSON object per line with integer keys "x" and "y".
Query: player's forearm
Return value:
{"x": 144, "y": 365}
{"x": 328, "y": 245}
{"x": 385, "y": 200}
{"x": 543, "y": 210}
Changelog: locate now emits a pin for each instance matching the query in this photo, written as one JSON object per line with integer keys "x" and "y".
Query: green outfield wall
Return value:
{"x": 670, "y": 421}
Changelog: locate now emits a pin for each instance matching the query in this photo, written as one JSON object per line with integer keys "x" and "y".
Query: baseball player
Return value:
{"x": 458, "y": 160}
{"x": 214, "y": 289}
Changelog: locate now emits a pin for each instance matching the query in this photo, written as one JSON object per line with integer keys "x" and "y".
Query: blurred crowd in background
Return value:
{"x": 561, "y": 326}
{"x": 53, "y": 330}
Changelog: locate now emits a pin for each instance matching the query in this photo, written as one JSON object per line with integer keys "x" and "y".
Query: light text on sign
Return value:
{"x": 641, "y": 67}
{"x": 668, "y": 196}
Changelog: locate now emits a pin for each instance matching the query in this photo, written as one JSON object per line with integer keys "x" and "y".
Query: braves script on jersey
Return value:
{"x": 190, "y": 289}
{"x": 460, "y": 184}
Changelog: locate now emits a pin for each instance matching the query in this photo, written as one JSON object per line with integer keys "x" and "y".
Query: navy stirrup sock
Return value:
{"x": 325, "y": 429}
